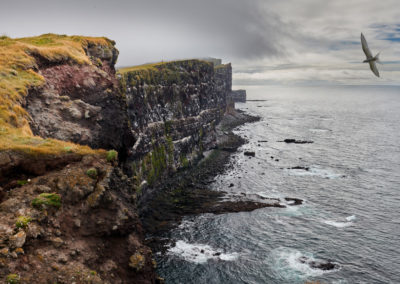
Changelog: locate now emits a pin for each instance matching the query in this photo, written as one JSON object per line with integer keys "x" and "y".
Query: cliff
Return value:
{"x": 68, "y": 209}
{"x": 238, "y": 96}
{"x": 173, "y": 109}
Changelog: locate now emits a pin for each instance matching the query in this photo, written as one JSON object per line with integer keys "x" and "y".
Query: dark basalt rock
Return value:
{"x": 299, "y": 168}
{"x": 297, "y": 201}
{"x": 241, "y": 206}
{"x": 294, "y": 141}
{"x": 250, "y": 153}
{"x": 322, "y": 265}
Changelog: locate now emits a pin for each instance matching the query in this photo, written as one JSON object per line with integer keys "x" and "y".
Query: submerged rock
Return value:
{"x": 294, "y": 141}
{"x": 299, "y": 168}
{"x": 318, "y": 264}
{"x": 295, "y": 201}
{"x": 250, "y": 153}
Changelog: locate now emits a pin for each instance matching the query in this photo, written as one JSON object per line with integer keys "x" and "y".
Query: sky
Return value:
{"x": 268, "y": 42}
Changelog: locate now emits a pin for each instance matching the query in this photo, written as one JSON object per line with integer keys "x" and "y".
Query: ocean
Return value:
{"x": 349, "y": 179}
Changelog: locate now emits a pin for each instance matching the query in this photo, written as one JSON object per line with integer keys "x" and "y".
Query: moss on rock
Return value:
{"x": 92, "y": 172}
{"x": 47, "y": 200}
{"x": 112, "y": 155}
{"x": 22, "y": 221}
{"x": 12, "y": 278}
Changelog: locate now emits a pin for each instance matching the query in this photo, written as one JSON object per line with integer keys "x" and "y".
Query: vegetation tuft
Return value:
{"x": 47, "y": 199}
{"x": 112, "y": 155}
{"x": 22, "y": 222}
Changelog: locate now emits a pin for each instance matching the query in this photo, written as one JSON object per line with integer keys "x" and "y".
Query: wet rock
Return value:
{"x": 249, "y": 153}
{"x": 318, "y": 264}
{"x": 295, "y": 201}
{"x": 294, "y": 141}
{"x": 241, "y": 206}
{"x": 299, "y": 168}
{"x": 231, "y": 185}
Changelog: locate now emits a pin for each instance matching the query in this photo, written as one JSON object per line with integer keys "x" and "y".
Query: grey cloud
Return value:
{"x": 153, "y": 30}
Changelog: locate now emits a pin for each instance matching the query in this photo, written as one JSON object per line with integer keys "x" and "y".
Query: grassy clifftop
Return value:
{"x": 19, "y": 64}
{"x": 165, "y": 73}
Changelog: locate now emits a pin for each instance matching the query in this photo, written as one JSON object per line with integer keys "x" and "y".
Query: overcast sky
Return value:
{"x": 267, "y": 41}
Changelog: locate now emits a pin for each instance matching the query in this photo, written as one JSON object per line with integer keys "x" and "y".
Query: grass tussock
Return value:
{"x": 18, "y": 74}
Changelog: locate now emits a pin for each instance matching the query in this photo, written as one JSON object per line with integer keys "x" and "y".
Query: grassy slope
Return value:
{"x": 17, "y": 76}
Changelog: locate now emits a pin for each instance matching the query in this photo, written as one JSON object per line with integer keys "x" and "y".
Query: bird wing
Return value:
{"x": 372, "y": 65}
{"x": 365, "y": 47}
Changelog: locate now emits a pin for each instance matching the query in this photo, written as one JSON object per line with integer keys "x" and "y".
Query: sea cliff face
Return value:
{"x": 173, "y": 109}
{"x": 70, "y": 212}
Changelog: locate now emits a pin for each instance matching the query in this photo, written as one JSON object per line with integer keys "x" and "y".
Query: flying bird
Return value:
{"x": 370, "y": 59}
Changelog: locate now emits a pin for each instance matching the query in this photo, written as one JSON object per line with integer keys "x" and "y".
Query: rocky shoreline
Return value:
{"x": 188, "y": 192}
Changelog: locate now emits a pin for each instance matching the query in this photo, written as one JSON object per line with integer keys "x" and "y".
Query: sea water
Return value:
{"x": 351, "y": 192}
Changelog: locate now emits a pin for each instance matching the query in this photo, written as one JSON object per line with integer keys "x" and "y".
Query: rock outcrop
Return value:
{"x": 80, "y": 103}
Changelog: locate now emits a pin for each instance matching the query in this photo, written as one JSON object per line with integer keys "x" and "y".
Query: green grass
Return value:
{"x": 92, "y": 172}
{"x": 112, "y": 155}
{"x": 22, "y": 182}
{"x": 47, "y": 199}
{"x": 22, "y": 222}
{"x": 12, "y": 279}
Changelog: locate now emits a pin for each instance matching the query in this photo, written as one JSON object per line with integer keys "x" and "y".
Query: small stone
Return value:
{"x": 14, "y": 254}
{"x": 18, "y": 240}
{"x": 77, "y": 223}
{"x": 57, "y": 242}
{"x": 62, "y": 259}
{"x": 58, "y": 233}
{"x": 4, "y": 251}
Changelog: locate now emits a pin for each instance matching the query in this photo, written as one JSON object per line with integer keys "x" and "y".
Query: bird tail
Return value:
{"x": 377, "y": 58}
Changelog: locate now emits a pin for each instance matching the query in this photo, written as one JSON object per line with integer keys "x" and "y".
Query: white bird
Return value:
{"x": 370, "y": 59}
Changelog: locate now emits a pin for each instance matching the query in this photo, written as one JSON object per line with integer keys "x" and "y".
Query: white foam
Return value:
{"x": 315, "y": 171}
{"x": 319, "y": 130}
{"x": 338, "y": 224}
{"x": 289, "y": 267}
{"x": 200, "y": 253}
